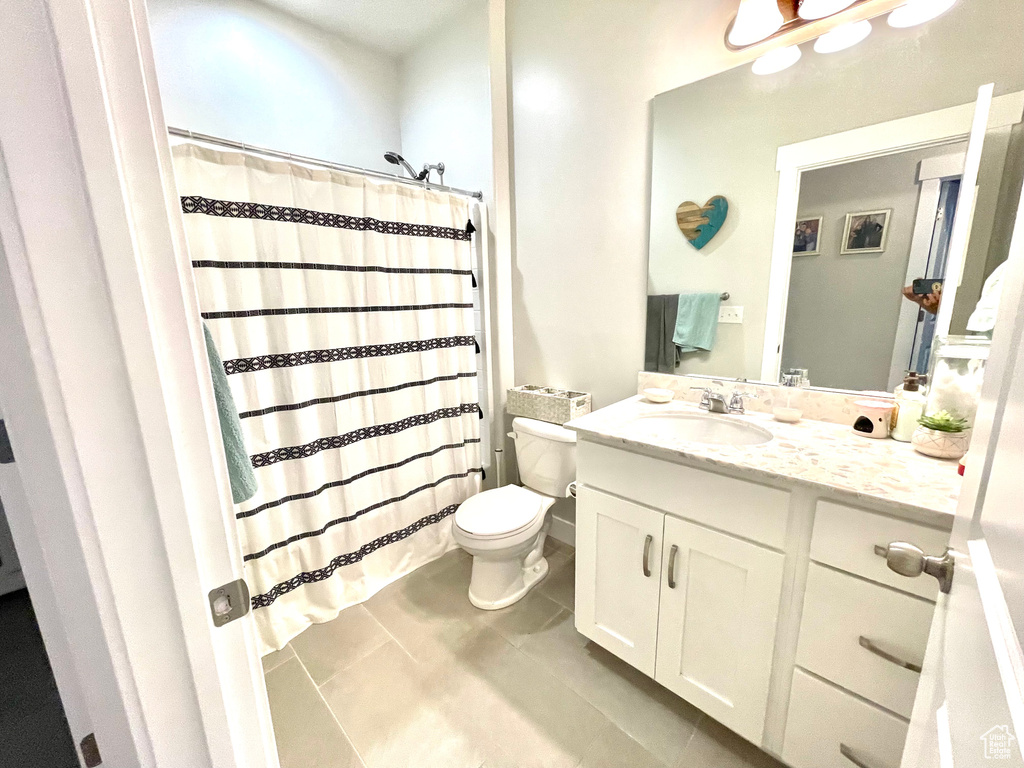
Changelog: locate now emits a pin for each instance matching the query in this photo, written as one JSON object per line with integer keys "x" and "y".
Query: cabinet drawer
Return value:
{"x": 841, "y": 615}
{"x": 824, "y": 721}
{"x": 845, "y": 538}
{"x": 753, "y": 511}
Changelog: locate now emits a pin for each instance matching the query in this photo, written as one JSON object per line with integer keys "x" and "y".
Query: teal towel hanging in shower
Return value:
{"x": 243, "y": 479}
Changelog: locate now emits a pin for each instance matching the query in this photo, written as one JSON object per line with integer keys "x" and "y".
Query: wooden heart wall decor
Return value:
{"x": 700, "y": 223}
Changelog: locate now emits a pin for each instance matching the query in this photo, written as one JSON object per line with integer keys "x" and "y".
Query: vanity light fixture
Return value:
{"x": 777, "y": 60}
{"x": 918, "y": 12}
{"x": 819, "y": 9}
{"x": 841, "y": 38}
{"x": 755, "y": 20}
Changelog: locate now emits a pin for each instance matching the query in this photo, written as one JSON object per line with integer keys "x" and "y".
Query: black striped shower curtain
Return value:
{"x": 342, "y": 308}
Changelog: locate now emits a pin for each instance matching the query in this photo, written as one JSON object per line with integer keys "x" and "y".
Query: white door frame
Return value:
{"x": 929, "y": 129}
{"x": 930, "y": 175}
{"x": 127, "y": 516}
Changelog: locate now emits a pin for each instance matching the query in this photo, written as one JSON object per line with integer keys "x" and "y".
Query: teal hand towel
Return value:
{"x": 243, "y": 480}
{"x": 696, "y": 321}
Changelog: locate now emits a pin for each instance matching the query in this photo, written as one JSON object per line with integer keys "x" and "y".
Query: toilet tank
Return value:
{"x": 546, "y": 454}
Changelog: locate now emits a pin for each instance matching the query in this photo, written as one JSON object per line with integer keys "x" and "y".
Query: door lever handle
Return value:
{"x": 908, "y": 560}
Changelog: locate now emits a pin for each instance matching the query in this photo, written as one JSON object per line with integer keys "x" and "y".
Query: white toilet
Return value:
{"x": 504, "y": 529}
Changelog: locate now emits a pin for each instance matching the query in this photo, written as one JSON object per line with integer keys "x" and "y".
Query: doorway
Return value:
{"x": 34, "y": 730}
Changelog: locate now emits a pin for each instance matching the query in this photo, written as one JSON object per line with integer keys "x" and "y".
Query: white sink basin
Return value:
{"x": 695, "y": 428}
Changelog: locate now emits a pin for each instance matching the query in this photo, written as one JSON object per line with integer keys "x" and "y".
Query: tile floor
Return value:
{"x": 33, "y": 730}
{"x": 417, "y": 677}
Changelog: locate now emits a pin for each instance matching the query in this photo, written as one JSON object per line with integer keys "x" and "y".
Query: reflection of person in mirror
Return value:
{"x": 929, "y": 302}
{"x": 983, "y": 319}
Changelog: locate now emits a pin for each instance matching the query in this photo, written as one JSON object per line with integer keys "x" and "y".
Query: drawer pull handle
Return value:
{"x": 672, "y": 566}
{"x": 647, "y": 555}
{"x": 852, "y": 756}
{"x": 870, "y": 646}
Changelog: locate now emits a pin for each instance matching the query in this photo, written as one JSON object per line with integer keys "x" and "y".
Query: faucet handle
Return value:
{"x": 736, "y": 401}
{"x": 705, "y": 398}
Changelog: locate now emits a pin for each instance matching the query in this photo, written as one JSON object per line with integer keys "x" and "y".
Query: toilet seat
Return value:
{"x": 501, "y": 512}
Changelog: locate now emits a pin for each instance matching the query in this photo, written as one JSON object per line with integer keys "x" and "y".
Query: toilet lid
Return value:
{"x": 499, "y": 511}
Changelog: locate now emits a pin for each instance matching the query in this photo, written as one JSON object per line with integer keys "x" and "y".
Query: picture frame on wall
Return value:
{"x": 866, "y": 232}
{"x": 807, "y": 237}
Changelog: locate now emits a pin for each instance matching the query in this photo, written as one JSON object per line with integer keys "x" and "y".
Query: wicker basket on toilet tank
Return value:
{"x": 547, "y": 403}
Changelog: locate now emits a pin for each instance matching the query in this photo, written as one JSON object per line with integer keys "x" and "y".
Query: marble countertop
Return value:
{"x": 813, "y": 453}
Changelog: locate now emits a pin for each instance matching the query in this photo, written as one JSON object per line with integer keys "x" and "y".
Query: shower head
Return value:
{"x": 396, "y": 159}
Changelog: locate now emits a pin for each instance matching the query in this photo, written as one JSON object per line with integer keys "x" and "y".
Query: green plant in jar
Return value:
{"x": 943, "y": 421}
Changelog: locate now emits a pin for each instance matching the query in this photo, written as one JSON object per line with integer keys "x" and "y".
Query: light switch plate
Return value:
{"x": 730, "y": 314}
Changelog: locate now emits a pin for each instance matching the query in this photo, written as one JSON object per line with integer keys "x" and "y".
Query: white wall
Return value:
{"x": 445, "y": 100}
{"x": 237, "y": 69}
{"x": 579, "y": 89}
{"x": 583, "y": 75}
{"x": 843, "y": 310}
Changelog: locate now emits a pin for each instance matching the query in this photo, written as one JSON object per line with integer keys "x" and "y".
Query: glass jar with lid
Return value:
{"x": 956, "y": 372}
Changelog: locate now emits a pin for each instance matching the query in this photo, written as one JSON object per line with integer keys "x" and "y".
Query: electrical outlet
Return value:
{"x": 730, "y": 314}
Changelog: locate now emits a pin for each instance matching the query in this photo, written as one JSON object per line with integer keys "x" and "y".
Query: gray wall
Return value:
{"x": 720, "y": 136}
{"x": 843, "y": 309}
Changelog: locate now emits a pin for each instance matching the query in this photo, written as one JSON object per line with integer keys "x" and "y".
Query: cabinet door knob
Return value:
{"x": 908, "y": 560}
{"x": 672, "y": 566}
{"x": 867, "y": 645}
{"x": 647, "y": 555}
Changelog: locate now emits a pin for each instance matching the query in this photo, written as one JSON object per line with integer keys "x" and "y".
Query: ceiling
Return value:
{"x": 391, "y": 26}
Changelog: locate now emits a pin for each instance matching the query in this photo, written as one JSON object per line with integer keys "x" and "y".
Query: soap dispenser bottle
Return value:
{"x": 909, "y": 408}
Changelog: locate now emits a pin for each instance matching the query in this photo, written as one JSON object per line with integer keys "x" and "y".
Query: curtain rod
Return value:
{"x": 207, "y": 139}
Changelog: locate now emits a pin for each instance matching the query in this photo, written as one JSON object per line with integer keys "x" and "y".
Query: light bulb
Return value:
{"x": 841, "y": 38}
{"x": 918, "y": 12}
{"x": 819, "y": 9}
{"x": 755, "y": 20}
{"x": 777, "y": 60}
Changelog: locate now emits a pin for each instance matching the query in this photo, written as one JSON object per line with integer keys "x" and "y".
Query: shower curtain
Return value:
{"x": 342, "y": 309}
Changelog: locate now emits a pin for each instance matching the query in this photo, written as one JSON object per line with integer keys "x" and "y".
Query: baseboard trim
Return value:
{"x": 563, "y": 531}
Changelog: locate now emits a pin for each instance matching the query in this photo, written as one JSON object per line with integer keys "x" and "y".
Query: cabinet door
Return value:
{"x": 616, "y": 593}
{"x": 716, "y": 635}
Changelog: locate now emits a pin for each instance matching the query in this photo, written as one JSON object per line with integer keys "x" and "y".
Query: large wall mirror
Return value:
{"x": 847, "y": 179}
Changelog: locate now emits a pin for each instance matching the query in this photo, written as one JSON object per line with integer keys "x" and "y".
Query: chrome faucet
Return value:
{"x": 711, "y": 401}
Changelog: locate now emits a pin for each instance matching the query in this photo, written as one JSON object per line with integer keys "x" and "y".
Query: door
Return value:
{"x": 125, "y": 516}
{"x": 618, "y": 575}
{"x": 716, "y": 636}
{"x": 969, "y": 708}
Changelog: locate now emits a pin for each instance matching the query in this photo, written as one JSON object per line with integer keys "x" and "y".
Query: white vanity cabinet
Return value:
{"x": 693, "y": 607}
{"x": 765, "y": 607}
